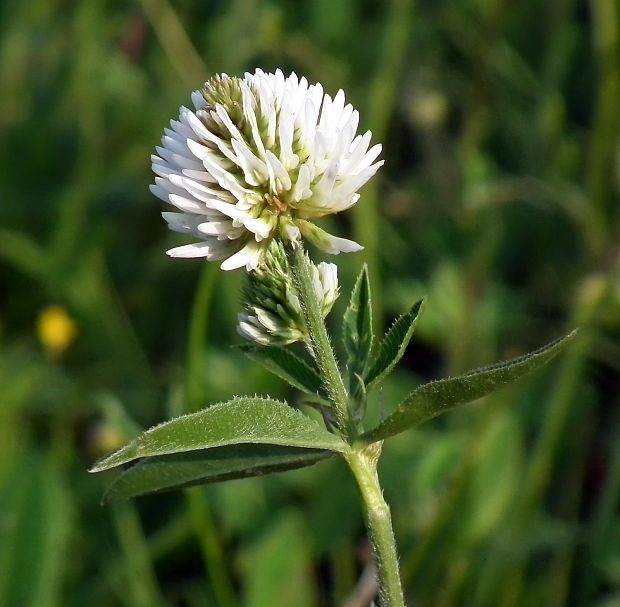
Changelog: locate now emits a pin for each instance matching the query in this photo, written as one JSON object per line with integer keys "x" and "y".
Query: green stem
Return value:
{"x": 363, "y": 462}
{"x": 379, "y": 524}
{"x": 319, "y": 341}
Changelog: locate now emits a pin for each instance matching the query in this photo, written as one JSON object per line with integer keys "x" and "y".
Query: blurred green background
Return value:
{"x": 498, "y": 200}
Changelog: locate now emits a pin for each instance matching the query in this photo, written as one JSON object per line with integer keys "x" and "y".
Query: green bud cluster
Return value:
{"x": 272, "y": 312}
{"x": 223, "y": 90}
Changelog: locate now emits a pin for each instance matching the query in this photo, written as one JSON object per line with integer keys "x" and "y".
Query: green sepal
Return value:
{"x": 243, "y": 420}
{"x": 393, "y": 346}
{"x": 357, "y": 332}
{"x": 437, "y": 397}
{"x": 287, "y": 366}
{"x": 164, "y": 473}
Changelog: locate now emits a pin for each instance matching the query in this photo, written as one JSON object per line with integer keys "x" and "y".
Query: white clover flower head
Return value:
{"x": 273, "y": 314}
{"x": 257, "y": 158}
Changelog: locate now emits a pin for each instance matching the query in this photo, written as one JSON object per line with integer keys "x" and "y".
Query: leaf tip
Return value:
{"x": 420, "y": 305}
{"x": 561, "y": 342}
{"x": 111, "y": 461}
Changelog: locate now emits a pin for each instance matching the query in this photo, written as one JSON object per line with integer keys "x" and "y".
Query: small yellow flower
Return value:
{"x": 104, "y": 438}
{"x": 56, "y": 330}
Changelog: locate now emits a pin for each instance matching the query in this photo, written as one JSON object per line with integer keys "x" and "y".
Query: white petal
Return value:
{"x": 249, "y": 256}
{"x": 199, "y": 175}
{"x": 231, "y": 210}
{"x": 198, "y": 249}
{"x": 197, "y": 126}
{"x": 182, "y": 222}
{"x": 301, "y": 189}
{"x": 262, "y": 227}
{"x": 195, "y": 188}
{"x": 159, "y": 192}
{"x": 343, "y": 245}
{"x": 249, "y": 331}
{"x": 248, "y": 112}
{"x": 268, "y": 320}
{"x": 289, "y": 230}
{"x": 215, "y": 228}
{"x": 222, "y": 114}
{"x": 325, "y": 241}
{"x": 198, "y": 100}
{"x": 178, "y": 160}
{"x": 188, "y": 204}
{"x": 287, "y": 123}
{"x": 253, "y": 167}
{"x": 329, "y": 275}
{"x": 278, "y": 175}
{"x": 370, "y": 156}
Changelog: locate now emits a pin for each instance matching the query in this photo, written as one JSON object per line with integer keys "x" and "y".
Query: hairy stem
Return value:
{"x": 363, "y": 464}
{"x": 362, "y": 461}
{"x": 319, "y": 340}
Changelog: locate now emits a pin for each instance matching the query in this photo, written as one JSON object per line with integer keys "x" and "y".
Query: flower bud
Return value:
{"x": 272, "y": 311}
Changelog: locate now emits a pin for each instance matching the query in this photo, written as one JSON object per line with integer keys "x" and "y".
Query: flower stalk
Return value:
{"x": 362, "y": 461}
{"x": 319, "y": 342}
{"x": 363, "y": 464}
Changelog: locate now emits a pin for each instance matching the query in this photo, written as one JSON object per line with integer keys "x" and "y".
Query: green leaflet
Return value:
{"x": 434, "y": 398}
{"x": 243, "y": 420}
{"x": 286, "y": 365}
{"x": 393, "y": 346}
{"x": 357, "y": 328}
{"x": 167, "y": 472}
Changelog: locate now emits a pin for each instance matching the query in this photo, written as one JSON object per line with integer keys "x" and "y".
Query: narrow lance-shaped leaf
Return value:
{"x": 244, "y": 420}
{"x": 156, "y": 474}
{"x": 437, "y": 397}
{"x": 357, "y": 327}
{"x": 287, "y": 366}
{"x": 393, "y": 346}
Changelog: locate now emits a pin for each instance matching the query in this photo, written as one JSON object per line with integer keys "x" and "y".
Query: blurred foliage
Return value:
{"x": 499, "y": 201}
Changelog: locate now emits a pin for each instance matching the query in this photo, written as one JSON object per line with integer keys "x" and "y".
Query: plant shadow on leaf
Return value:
{"x": 164, "y": 473}
{"x": 242, "y": 420}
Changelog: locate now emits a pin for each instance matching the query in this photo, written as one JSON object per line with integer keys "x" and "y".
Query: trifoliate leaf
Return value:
{"x": 393, "y": 346}
{"x": 156, "y": 474}
{"x": 286, "y": 365}
{"x": 244, "y": 420}
{"x": 357, "y": 327}
{"x": 434, "y": 398}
